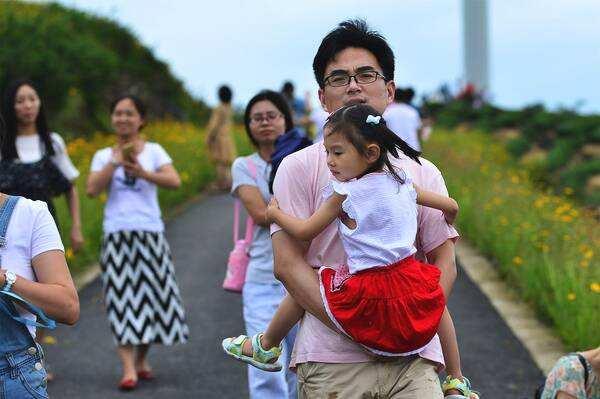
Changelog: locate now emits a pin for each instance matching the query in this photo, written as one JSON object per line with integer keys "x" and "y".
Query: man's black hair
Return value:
{"x": 353, "y": 33}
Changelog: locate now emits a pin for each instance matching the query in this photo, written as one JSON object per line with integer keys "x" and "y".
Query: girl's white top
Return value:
{"x": 31, "y": 232}
{"x": 132, "y": 206}
{"x": 385, "y": 212}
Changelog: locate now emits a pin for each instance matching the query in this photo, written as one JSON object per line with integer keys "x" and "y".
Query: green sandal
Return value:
{"x": 464, "y": 387}
{"x": 261, "y": 358}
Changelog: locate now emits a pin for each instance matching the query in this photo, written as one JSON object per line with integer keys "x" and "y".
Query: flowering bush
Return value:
{"x": 541, "y": 242}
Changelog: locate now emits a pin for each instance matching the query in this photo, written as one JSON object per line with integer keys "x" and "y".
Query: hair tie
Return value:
{"x": 373, "y": 120}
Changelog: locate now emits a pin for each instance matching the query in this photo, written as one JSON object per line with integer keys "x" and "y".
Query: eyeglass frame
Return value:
{"x": 264, "y": 117}
{"x": 377, "y": 74}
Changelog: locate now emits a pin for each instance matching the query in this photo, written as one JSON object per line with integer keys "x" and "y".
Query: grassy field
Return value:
{"x": 542, "y": 244}
{"x": 183, "y": 142}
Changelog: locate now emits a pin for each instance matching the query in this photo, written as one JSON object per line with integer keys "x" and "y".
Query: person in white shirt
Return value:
{"x": 34, "y": 273}
{"x": 403, "y": 119}
{"x": 140, "y": 291}
{"x": 35, "y": 162}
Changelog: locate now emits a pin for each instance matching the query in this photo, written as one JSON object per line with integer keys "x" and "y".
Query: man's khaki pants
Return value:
{"x": 403, "y": 378}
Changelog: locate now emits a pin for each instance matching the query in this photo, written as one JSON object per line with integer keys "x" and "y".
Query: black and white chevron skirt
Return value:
{"x": 140, "y": 291}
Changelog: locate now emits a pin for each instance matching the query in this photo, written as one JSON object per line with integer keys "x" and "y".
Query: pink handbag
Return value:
{"x": 237, "y": 263}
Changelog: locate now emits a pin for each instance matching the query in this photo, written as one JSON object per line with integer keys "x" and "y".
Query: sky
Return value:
{"x": 540, "y": 51}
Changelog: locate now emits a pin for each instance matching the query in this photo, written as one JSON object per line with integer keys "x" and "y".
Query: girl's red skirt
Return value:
{"x": 391, "y": 310}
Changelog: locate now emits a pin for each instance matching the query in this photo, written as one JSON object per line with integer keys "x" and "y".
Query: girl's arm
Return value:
{"x": 306, "y": 229}
{"x": 73, "y": 202}
{"x": 432, "y": 200}
{"x": 54, "y": 292}
{"x": 165, "y": 177}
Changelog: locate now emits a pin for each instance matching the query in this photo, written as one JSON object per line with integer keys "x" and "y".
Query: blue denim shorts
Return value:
{"x": 22, "y": 374}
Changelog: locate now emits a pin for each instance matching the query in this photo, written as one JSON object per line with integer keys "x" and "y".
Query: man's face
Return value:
{"x": 351, "y": 60}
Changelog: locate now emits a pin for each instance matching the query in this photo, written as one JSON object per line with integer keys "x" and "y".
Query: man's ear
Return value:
{"x": 373, "y": 153}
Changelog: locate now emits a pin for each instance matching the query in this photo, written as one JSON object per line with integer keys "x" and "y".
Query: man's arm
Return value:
{"x": 444, "y": 258}
{"x": 298, "y": 277}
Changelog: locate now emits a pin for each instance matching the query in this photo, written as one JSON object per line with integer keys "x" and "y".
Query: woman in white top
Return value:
{"x": 35, "y": 163}
{"x": 140, "y": 292}
{"x": 32, "y": 267}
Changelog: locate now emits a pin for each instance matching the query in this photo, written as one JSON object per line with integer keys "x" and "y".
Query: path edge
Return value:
{"x": 541, "y": 341}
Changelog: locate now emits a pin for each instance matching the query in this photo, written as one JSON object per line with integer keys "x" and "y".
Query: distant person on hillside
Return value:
{"x": 574, "y": 376}
{"x": 34, "y": 162}
{"x": 297, "y": 106}
{"x": 220, "y": 145}
{"x": 141, "y": 294}
{"x": 403, "y": 119}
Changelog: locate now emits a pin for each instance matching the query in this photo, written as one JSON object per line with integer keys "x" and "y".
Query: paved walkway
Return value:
{"x": 86, "y": 365}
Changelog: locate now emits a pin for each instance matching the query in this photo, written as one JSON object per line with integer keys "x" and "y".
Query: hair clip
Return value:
{"x": 374, "y": 120}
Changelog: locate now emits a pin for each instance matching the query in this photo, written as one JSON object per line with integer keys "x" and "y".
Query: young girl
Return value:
{"x": 385, "y": 299}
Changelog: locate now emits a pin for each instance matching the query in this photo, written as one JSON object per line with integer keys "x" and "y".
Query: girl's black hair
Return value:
{"x": 351, "y": 121}
{"x": 137, "y": 103}
{"x": 278, "y": 101}
{"x": 8, "y": 147}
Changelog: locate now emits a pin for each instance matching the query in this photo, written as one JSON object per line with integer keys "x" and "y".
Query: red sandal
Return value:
{"x": 128, "y": 384}
{"x": 146, "y": 375}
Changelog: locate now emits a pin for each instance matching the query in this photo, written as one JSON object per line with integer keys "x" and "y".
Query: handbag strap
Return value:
{"x": 236, "y": 209}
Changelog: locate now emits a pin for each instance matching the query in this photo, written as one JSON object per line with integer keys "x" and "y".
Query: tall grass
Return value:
{"x": 542, "y": 244}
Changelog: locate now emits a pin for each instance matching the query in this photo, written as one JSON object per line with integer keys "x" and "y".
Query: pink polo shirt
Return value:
{"x": 301, "y": 179}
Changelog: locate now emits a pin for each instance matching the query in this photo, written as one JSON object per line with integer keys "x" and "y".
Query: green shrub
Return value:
{"x": 518, "y": 146}
{"x": 81, "y": 62}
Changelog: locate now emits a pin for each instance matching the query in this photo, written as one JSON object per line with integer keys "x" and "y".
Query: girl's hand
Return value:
{"x": 451, "y": 214}
{"x": 117, "y": 155}
{"x": 272, "y": 208}
{"x": 133, "y": 168}
{"x": 76, "y": 238}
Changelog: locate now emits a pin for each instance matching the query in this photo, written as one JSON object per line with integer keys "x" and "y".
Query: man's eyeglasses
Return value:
{"x": 342, "y": 79}
{"x": 257, "y": 119}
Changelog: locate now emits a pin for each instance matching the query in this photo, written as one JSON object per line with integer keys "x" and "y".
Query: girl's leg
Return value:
{"x": 127, "y": 359}
{"x": 141, "y": 362}
{"x": 260, "y": 303}
{"x": 450, "y": 348}
{"x": 287, "y": 315}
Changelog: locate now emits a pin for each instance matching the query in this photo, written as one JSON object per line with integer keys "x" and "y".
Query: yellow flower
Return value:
{"x": 571, "y": 296}
{"x": 69, "y": 253}
{"x": 103, "y": 197}
{"x": 589, "y": 254}
{"x": 517, "y": 260}
{"x": 545, "y": 248}
{"x": 568, "y": 191}
{"x": 584, "y": 263}
{"x": 49, "y": 340}
{"x": 595, "y": 287}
